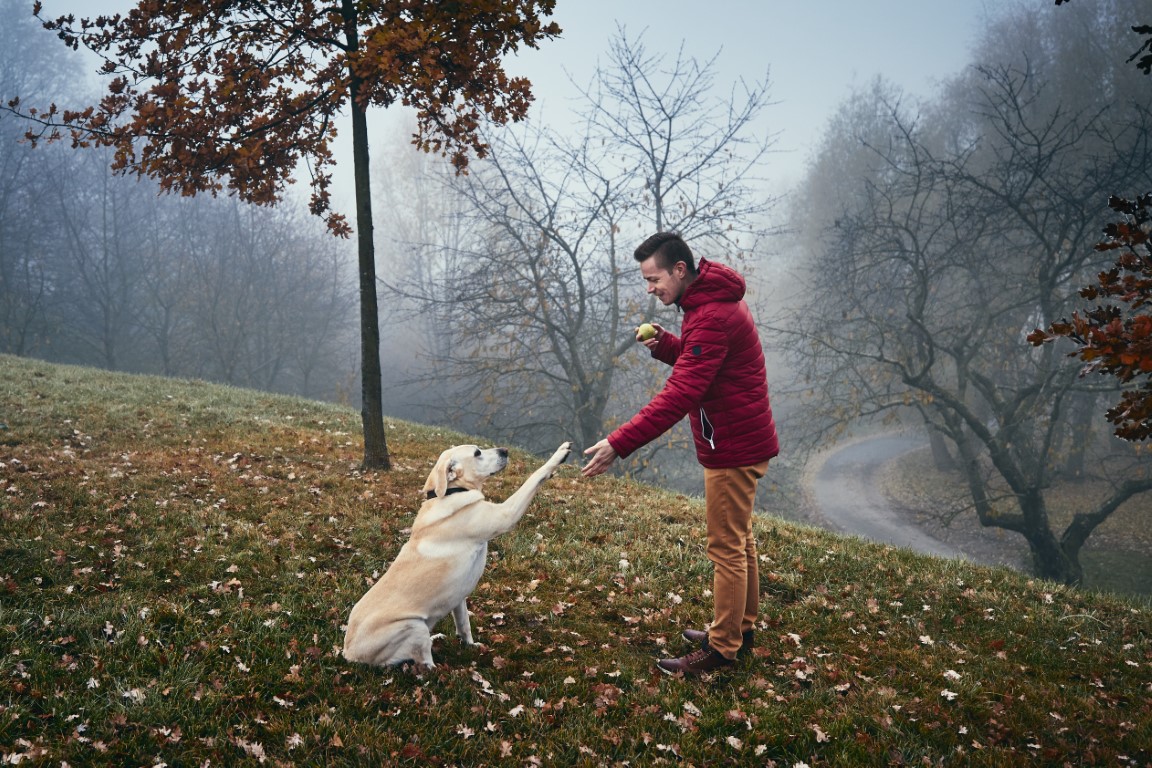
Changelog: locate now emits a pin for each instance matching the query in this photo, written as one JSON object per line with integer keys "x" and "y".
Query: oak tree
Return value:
{"x": 221, "y": 96}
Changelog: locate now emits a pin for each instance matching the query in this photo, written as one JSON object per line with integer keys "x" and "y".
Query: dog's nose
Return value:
{"x": 503, "y": 452}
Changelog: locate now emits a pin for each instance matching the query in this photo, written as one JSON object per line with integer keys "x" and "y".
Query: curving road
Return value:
{"x": 847, "y": 491}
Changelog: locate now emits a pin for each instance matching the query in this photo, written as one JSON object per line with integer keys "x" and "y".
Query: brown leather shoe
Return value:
{"x": 699, "y": 662}
{"x": 700, "y": 637}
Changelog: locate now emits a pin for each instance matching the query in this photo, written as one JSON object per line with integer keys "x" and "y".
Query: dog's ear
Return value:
{"x": 443, "y": 473}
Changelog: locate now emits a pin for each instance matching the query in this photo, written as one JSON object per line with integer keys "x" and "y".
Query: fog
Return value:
{"x": 875, "y": 178}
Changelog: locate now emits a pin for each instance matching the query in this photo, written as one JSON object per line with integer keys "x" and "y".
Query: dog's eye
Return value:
{"x": 477, "y": 454}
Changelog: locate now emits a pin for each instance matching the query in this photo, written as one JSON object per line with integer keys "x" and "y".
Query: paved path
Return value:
{"x": 847, "y": 491}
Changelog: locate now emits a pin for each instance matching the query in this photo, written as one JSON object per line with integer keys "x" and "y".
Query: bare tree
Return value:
{"x": 102, "y": 260}
{"x": 28, "y": 217}
{"x": 542, "y": 292}
{"x": 956, "y": 234}
{"x": 424, "y": 214}
{"x": 100, "y": 269}
{"x": 542, "y": 298}
{"x": 687, "y": 158}
{"x": 253, "y": 297}
{"x": 164, "y": 314}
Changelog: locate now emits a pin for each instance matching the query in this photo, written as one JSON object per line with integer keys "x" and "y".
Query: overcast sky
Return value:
{"x": 815, "y": 52}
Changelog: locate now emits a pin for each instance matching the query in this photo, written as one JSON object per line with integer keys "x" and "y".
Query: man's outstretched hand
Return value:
{"x": 602, "y": 455}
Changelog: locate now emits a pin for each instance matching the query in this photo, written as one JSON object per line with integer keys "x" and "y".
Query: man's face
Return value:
{"x": 666, "y": 286}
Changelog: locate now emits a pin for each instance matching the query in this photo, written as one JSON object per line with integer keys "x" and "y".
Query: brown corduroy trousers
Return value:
{"x": 729, "y": 495}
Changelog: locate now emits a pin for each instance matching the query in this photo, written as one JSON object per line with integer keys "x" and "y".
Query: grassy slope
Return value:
{"x": 177, "y": 559}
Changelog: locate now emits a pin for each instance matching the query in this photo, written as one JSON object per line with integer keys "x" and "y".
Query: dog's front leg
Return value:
{"x": 501, "y": 518}
{"x": 463, "y": 626}
{"x": 517, "y": 504}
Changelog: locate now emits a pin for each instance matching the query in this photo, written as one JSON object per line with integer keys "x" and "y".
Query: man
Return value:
{"x": 718, "y": 380}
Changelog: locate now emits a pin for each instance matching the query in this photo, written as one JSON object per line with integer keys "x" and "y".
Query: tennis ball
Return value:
{"x": 646, "y": 331}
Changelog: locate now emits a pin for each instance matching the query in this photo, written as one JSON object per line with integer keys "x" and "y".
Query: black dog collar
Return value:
{"x": 449, "y": 492}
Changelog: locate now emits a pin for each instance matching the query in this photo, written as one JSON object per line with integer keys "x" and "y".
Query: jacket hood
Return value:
{"x": 714, "y": 282}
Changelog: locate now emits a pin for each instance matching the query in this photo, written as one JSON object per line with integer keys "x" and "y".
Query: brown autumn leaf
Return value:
{"x": 231, "y": 97}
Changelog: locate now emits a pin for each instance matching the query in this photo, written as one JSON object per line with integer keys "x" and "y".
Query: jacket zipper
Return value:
{"x": 706, "y": 429}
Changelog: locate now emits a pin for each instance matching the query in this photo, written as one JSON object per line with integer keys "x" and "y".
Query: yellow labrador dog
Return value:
{"x": 441, "y": 563}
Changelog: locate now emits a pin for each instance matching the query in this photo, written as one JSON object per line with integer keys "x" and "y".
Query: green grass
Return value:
{"x": 177, "y": 560}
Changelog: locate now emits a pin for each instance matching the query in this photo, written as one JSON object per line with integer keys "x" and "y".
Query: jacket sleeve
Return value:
{"x": 702, "y": 351}
{"x": 667, "y": 348}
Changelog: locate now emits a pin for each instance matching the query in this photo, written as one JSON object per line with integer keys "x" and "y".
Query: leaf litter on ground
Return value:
{"x": 178, "y": 559}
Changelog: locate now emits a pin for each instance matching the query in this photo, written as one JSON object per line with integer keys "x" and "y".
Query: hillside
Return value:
{"x": 177, "y": 560}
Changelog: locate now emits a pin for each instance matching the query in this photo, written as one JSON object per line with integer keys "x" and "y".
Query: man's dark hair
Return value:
{"x": 668, "y": 248}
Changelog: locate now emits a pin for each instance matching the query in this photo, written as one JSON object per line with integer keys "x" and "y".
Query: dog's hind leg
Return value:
{"x": 463, "y": 626}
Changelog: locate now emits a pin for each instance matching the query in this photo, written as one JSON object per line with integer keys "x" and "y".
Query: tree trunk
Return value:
{"x": 372, "y": 395}
{"x": 1082, "y": 422}
{"x": 941, "y": 457}
{"x": 1050, "y": 560}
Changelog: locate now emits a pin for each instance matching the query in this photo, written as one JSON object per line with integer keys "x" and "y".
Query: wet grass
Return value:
{"x": 177, "y": 561}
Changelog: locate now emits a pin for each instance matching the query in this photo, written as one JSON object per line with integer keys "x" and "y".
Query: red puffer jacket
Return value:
{"x": 718, "y": 378}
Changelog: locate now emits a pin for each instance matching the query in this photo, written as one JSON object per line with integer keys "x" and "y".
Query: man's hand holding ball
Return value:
{"x": 648, "y": 334}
